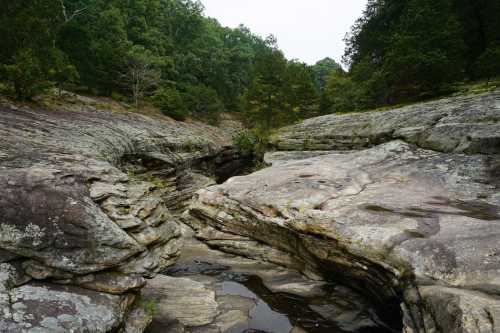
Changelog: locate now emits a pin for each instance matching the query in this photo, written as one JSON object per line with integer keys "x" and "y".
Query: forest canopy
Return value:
{"x": 167, "y": 52}
{"x": 407, "y": 50}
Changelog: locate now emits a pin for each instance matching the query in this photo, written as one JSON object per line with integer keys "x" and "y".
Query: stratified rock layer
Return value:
{"x": 400, "y": 223}
{"x": 86, "y": 204}
{"x": 469, "y": 124}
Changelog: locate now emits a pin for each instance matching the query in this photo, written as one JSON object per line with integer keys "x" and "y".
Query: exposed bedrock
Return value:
{"x": 469, "y": 124}
{"x": 87, "y": 211}
{"x": 415, "y": 229}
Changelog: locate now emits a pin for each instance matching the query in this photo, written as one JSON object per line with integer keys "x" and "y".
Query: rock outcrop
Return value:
{"x": 468, "y": 124}
{"x": 408, "y": 212}
{"x": 87, "y": 203}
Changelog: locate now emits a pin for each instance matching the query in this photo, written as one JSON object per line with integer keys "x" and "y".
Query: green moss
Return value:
{"x": 190, "y": 146}
{"x": 149, "y": 305}
{"x": 477, "y": 87}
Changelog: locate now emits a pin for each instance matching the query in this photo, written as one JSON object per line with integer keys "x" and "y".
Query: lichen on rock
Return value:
{"x": 87, "y": 201}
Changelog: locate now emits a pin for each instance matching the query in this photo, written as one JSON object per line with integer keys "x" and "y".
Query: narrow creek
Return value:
{"x": 237, "y": 294}
{"x": 278, "y": 300}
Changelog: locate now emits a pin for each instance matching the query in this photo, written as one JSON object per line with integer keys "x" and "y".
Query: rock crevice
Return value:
{"x": 87, "y": 210}
{"x": 412, "y": 222}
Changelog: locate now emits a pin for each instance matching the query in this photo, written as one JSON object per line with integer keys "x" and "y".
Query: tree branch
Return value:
{"x": 76, "y": 13}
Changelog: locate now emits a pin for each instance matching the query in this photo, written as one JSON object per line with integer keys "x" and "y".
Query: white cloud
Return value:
{"x": 308, "y": 30}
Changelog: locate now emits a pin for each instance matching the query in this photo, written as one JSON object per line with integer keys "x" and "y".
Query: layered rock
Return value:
{"x": 469, "y": 124}
{"x": 209, "y": 291}
{"x": 408, "y": 226}
{"x": 87, "y": 203}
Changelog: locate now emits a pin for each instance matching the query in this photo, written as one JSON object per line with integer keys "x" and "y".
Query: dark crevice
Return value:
{"x": 374, "y": 282}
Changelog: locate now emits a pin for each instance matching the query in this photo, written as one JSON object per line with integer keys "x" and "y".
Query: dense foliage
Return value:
{"x": 165, "y": 51}
{"x": 404, "y": 50}
{"x": 168, "y": 53}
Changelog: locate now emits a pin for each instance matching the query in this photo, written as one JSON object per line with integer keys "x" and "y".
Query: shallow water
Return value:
{"x": 262, "y": 316}
{"x": 274, "y": 312}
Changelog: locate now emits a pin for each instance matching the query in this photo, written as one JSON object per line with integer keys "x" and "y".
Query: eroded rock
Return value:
{"x": 469, "y": 124}
{"x": 41, "y": 307}
{"x": 379, "y": 220}
{"x": 181, "y": 299}
{"x": 87, "y": 201}
{"x": 137, "y": 321}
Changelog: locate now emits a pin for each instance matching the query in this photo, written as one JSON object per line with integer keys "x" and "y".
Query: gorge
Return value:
{"x": 374, "y": 222}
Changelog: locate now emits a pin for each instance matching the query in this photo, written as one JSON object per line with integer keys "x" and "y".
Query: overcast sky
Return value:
{"x": 308, "y": 30}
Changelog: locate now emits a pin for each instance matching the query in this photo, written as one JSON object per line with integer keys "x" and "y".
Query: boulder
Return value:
{"x": 137, "y": 321}
{"x": 43, "y": 307}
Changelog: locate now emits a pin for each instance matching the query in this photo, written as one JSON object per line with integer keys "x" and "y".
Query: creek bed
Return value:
{"x": 272, "y": 299}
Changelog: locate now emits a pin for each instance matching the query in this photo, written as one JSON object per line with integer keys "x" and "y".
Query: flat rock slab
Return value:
{"x": 385, "y": 218}
{"x": 182, "y": 299}
{"x": 469, "y": 124}
{"x": 47, "y": 308}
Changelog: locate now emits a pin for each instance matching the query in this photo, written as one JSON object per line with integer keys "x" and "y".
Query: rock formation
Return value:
{"x": 403, "y": 205}
{"x": 86, "y": 203}
{"x": 465, "y": 124}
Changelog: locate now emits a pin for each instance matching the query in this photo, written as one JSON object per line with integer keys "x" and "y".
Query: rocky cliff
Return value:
{"x": 87, "y": 198}
{"x": 403, "y": 205}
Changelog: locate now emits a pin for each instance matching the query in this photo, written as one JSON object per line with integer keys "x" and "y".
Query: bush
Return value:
{"x": 340, "y": 94}
{"x": 488, "y": 64}
{"x": 170, "y": 103}
{"x": 203, "y": 102}
{"x": 62, "y": 72}
{"x": 252, "y": 143}
{"x": 25, "y": 75}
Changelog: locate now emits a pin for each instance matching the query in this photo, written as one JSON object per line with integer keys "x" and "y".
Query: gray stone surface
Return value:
{"x": 47, "y": 308}
{"x": 65, "y": 200}
{"x": 469, "y": 124}
{"x": 88, "y": 199}
{"x": 137, "y": 321}
{"x": 381, "y": 220}
{"x": 182, "y": 299}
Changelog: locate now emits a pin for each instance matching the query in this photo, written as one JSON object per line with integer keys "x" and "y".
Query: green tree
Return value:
{"x": 142, "y": 74}
{"x": 266, "y": 96}
{"x": 301, "y": 92}
{"x": 322, "y": 69}
{"x": 170, "y": 103}
{"x": 340, "y": 94}
{"x": 488, "y": 64}
{"x": 426, "y": 51}
{"x": 29, "y": 53}
{"x": 62, "y": 72}
{"x": 203, "y": 102}
{"x": 25, "y": 73}
{"x": 402, "y": 50}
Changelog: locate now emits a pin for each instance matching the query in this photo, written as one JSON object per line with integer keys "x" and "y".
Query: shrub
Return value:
{"x": 252, "y": 143}
{"x": 203, "y": 102}
{"x": 25, "y": 75}
{"x": 170, "y": 103}
{"x": 488, "y": 64}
